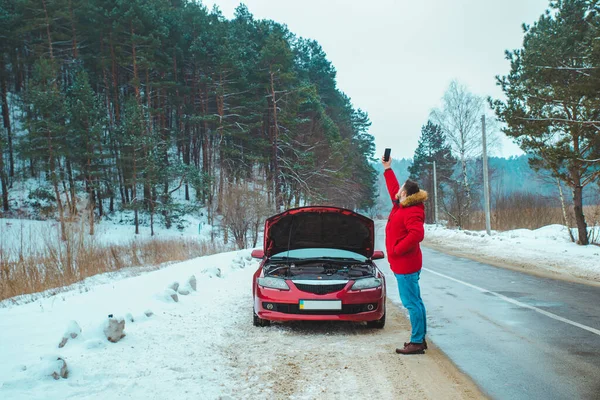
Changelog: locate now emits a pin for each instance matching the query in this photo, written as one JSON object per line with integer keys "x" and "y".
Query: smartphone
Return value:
{"x": 386, "y": 155}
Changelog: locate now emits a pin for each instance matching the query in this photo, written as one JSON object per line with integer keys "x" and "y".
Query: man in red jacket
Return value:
{"x": 403, "y": 233}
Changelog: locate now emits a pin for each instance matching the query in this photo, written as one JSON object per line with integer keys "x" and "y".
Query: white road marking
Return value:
{"x": 520, "y": 304}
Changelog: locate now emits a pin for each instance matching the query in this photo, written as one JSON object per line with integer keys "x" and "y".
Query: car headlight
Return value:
{"x": 366, "y": 283}
{"x": 273, "y": 283}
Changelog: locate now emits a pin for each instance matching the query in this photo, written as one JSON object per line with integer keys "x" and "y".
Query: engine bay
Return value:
{"x": 321, "y": 270}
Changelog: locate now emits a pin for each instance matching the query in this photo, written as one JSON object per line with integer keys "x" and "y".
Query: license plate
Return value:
{"x": 320, "y": 304}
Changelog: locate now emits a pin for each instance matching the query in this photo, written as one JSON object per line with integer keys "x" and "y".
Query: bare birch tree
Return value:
{"x": 460, "y": 118}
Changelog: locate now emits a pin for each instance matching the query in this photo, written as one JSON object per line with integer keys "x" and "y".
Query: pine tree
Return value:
{"x": 85, "y": 137}
{"x": 46, "y": 115}
{"x": 142, "y": 96}
{"x": 432, "y": 147}
{"x": 553, "y": 98}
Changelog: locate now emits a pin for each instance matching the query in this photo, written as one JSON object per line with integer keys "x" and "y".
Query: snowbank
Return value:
{"x": 168, "y": 351}
{"x": 546, "y": 248}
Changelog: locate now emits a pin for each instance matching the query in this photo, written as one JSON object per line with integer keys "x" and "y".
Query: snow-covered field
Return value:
{"x": 26, "y": 236}
{"x": 175, "y": 353}
{"x": 29, "y": 235}
{"x": 547, "y": 248}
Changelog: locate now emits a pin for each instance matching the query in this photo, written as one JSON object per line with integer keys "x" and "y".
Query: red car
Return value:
{"x": 317, "y": 264}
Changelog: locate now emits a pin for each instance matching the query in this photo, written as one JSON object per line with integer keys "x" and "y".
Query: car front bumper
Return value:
{"x": 283, "y": 305}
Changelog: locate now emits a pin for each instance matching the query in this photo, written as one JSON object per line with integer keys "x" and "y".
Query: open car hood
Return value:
{"x": 319, "y": 227}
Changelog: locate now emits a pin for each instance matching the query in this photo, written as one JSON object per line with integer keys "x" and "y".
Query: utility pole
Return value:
{"x": 486, "y": 181}
{"x": 435, "y": 197}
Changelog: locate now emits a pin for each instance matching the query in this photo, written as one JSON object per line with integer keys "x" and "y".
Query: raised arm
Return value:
{"x": 392, "y": 183}
{"x": 390, "y": 178}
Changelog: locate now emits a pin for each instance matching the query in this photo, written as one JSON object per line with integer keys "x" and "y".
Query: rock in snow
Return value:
{"x": 174, "y": 286}
{"x": 192, "y": 282}
{"x": 184, "y": 290}
{"x": 60, "y": 370}
{"x": 73, "y": 330}
{"x": 129, "y": 317}
{"x": 54, "y": 366}
{"x": 213, "y": 271}
{"x": 114, "y": 329}
{"x": 171, "y": 294}
{"x": 148, "y": 313}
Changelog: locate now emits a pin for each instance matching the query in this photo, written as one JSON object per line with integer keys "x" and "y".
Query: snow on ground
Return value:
{"x": 174, "y": 353}
{"x": 29, "y": 198}
{"x": 27, "y": 236}
{"x": 204, "y": 346}
{"x": 546, "y": 248}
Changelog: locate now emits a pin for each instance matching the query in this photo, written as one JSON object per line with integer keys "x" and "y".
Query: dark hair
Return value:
{"x": 411, "y": 187}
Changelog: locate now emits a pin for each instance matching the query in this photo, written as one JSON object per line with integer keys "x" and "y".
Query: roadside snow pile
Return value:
{"x": 548, "y": 248}
{"x": 149, "y": 343}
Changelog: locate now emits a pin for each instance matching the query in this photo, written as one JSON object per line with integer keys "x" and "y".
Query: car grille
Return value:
{"x": 320, "y": 289}
{"x": 295, "y": 309}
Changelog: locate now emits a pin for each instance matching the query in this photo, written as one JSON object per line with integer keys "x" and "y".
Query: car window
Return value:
{"x": 316, "y": 253}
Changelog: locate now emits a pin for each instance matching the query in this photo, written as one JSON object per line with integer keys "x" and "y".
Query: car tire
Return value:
{"x": 377, "y": 324}
{"x": 257, "y": 321}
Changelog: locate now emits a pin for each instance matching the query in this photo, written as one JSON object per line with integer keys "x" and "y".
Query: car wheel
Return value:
{"x": 378, "y": 324}
{"x": 259, "y": 321}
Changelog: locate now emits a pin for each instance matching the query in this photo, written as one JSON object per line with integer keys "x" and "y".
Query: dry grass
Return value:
{"x": 530, "y": 218}
{"x": 56, "y": 264}
{"x": 529, "y": 211}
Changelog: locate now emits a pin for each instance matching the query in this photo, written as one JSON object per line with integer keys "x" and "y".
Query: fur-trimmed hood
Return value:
{"x": 415, "y": 199}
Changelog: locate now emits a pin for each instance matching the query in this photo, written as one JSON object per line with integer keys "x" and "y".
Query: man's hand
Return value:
{"x": 387, "y": 164}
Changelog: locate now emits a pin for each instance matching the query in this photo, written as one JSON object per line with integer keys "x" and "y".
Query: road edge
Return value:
{"x": 524, "y": 267}
{"x": 435, "y": 372}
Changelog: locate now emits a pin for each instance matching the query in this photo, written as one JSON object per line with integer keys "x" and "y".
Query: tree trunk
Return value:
{"x": 134, "y": 195}
{"x": 152, "y": 217}
{"x": 48, "y": 29}
{"x": 91, "y": 206}
{"x": 72, "y": 188}
{"x": 467, "y": 187}
{"x": 221, "y": 182}
{"x": 99, "y": 200}
{"x": 579, "y": 216}
{"x": 66, "y": 192}
{"x": 274, "y": 146}
{"x": 138, "y": 99}
{"x": 205, "y": 137}
{"x": 165, "y": 156}
{"x": 115, "y": 81}
{"x": 3, "y": 180}
{"x": 61, "y": 216}
{"x": 564, "y": 210}
{"x": 136, "y": 85}
{"x": 74, "y": 36}
{"x": 54, "y": 179}
{"x": 6, "y": 119}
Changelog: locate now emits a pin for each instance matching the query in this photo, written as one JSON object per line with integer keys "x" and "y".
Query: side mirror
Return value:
{"x": 378, "y": 255}
{"x": 258, "y": 253}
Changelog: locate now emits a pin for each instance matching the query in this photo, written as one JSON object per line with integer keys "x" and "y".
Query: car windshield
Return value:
{"x": 320, "y": 254}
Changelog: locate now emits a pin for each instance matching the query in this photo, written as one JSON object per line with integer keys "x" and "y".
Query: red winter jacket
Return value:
{"x": 404, "y": 230}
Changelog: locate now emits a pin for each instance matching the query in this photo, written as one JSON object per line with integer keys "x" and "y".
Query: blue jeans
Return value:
{"x": 410, "y": 294}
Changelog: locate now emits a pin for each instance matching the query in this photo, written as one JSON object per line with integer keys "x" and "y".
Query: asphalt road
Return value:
{"x": 517, "y": 336}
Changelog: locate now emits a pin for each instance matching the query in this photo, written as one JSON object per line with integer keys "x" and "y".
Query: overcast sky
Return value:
{"x": 395, "y": 58}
